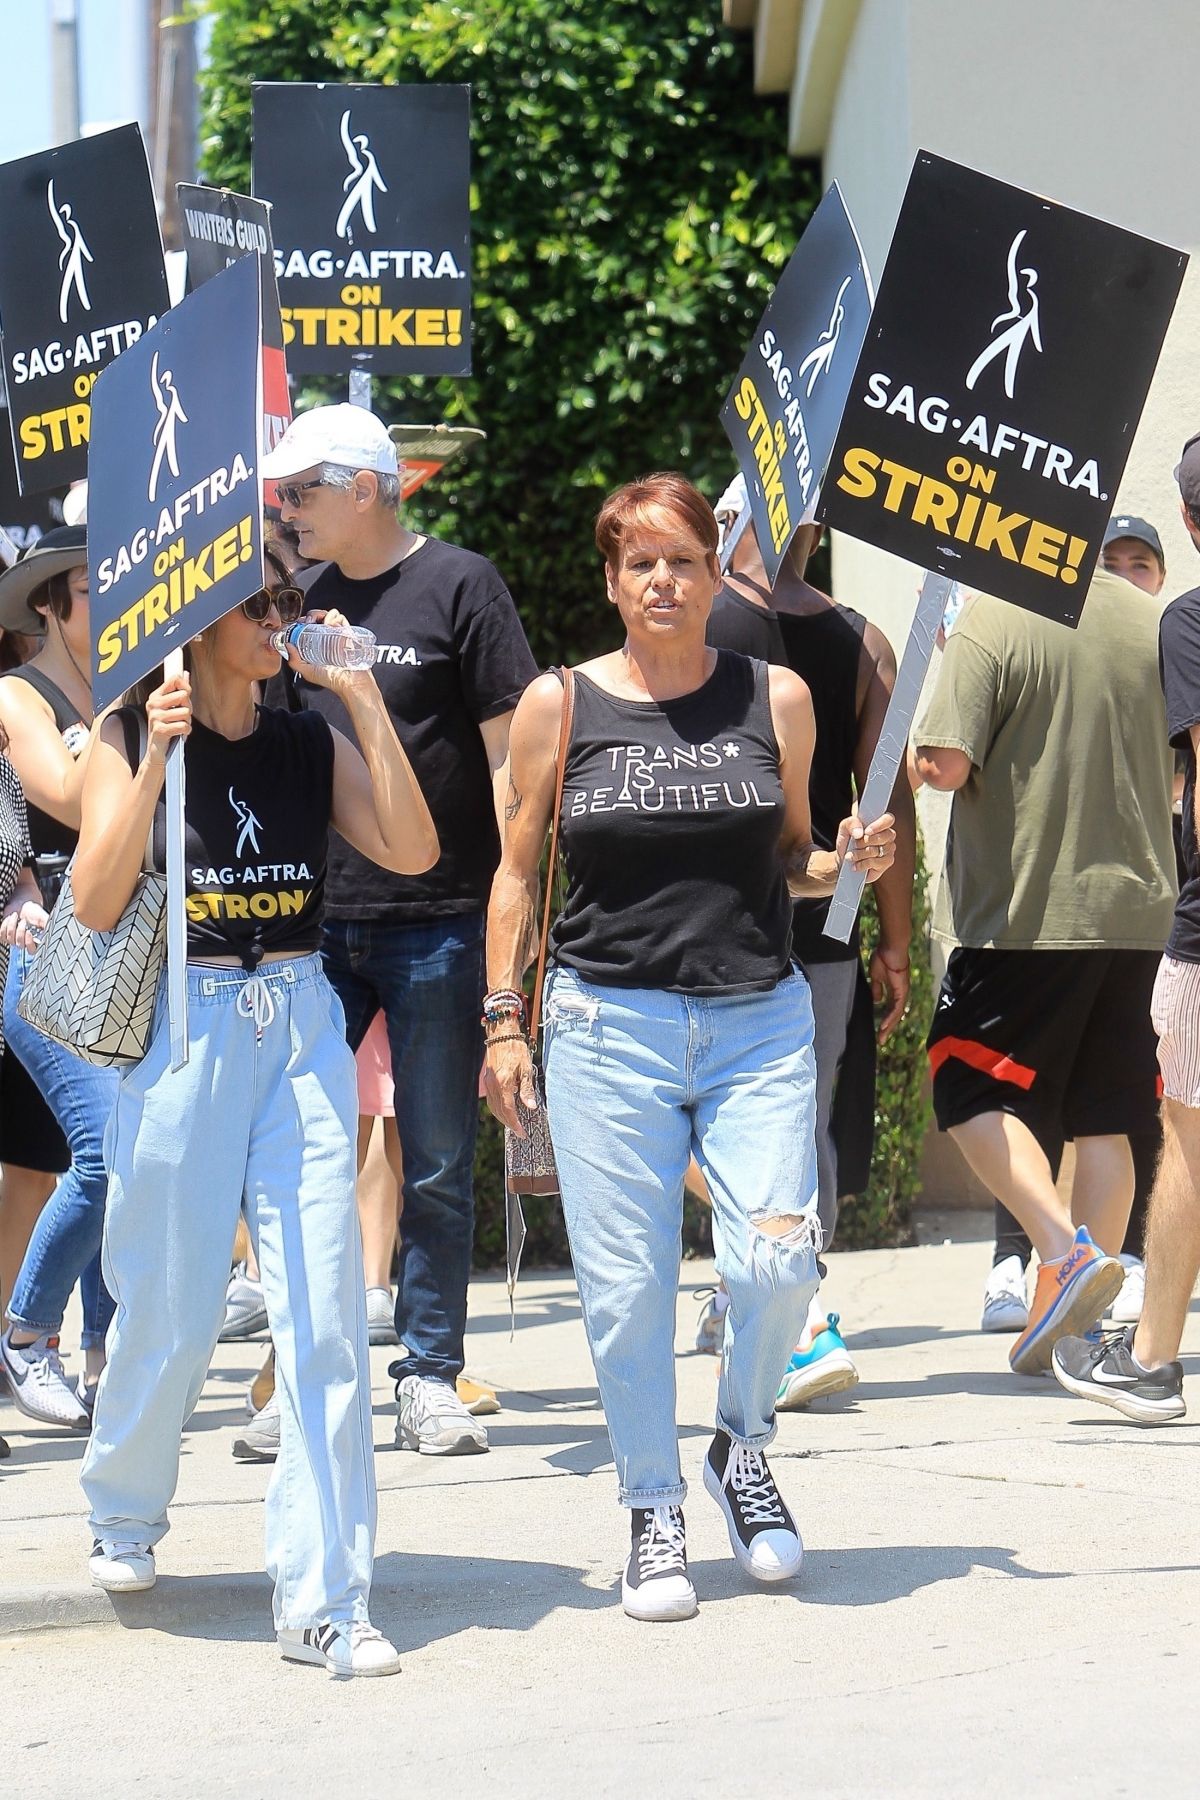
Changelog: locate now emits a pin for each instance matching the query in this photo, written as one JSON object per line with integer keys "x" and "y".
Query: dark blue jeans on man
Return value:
{"x": 428, "y": 981}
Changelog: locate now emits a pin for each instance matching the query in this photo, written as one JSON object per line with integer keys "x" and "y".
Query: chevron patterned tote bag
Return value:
{"x": 93, "y": 992}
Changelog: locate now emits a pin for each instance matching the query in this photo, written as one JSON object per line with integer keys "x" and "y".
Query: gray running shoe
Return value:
{"x": 260, "y": 1440}
{"x": 38, "y": 1383}
{"x": 433, "y": 1420}
{"x": 245, "y": 1308}
{"x": 1106, "y": 1371}
{"x": 381, "y": 1317}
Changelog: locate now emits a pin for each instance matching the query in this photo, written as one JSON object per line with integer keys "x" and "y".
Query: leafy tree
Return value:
{"x": 633, "y": 205}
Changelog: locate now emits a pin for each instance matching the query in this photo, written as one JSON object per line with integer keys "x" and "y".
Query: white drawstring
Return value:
{"x": 255, "y": 1002}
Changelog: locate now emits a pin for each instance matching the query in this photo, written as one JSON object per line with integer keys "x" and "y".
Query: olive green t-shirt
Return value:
{"x": 1061, "y": 837}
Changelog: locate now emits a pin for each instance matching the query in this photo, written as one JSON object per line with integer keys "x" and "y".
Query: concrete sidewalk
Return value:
{"x": 1001, "y": 1592}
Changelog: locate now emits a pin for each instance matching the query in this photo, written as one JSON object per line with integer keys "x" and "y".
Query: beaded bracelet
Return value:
{"x": 502, "y": 1004}
{"x": 510, "y": 1037}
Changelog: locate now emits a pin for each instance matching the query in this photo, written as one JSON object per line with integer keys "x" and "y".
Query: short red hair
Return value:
{"x": 664, "y": 492}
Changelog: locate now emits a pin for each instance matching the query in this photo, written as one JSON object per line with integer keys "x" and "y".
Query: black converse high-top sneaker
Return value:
{"x": 655, "y": 1584}
{"x": 761, "y": 1529}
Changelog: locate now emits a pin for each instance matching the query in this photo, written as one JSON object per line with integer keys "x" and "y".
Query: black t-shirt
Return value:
{"x": 671, "y": 819}
{"x": 48, "y": 836}
{"x": 1179, "y": 672}
{"x": 451, "y": 655}
{"x": 824, "y": 648}
{"x": 257, "y": 838}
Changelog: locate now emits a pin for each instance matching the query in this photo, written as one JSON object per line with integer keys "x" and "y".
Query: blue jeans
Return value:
{"x": 263, "y": 1119}
{"x": 428, "y": 980}
{"x": 65, "y": 1245}
{"x": 637, "y": 1079}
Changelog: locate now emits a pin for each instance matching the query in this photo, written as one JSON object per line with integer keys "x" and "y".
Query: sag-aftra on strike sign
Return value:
{"x": 370, "y": 191}
{"x": 1002, "y": 376}
{"x": 81, "y": 279}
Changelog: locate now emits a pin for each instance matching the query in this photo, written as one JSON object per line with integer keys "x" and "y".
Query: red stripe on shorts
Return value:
{"x": 979, "y": 1056}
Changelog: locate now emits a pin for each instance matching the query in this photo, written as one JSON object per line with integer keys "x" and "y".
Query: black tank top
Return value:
{"x": 48, "y": 836}
{"x": 824, "y": 648}
{"x": 671, "y": 820}
{"x": 257, "y": 815}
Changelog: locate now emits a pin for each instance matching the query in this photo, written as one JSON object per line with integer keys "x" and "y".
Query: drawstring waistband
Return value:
{"x": 255, "y": 1002}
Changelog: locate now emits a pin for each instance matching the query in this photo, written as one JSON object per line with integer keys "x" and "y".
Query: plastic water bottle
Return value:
{"x": 328, "y": 646}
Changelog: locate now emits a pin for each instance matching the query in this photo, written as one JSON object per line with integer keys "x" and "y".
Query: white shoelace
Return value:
{"x": 661, "y": 1547}
{"x": 758, "y": 1499}
{"x": 44, "y": 1369}
{"x": 255, "y": 1002}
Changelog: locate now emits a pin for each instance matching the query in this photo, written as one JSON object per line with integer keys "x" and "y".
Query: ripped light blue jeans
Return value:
{"x": 637, "y": 1079}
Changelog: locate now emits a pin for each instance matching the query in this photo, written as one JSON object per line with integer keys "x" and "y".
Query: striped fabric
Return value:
{"x": 1175, "y": 1012}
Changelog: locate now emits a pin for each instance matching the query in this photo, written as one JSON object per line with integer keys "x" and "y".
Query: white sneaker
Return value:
{"x": 349, "y": 1647}
{"x": 245, "y": 1308}
{"x": 260, "y": 1440}
{"x": 121, "y": 1568}
{"x": 433, "y": 1420}
{"x": 381, "y": 1317}
{"x": 38, "y": 1383}
{"x": 710, "y": 1326}
{"x": 1126, "y": 1309}
{"x": 1005, "y": 1304}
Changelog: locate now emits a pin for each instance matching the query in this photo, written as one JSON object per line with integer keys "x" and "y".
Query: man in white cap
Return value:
{"x": 452, "y": 661}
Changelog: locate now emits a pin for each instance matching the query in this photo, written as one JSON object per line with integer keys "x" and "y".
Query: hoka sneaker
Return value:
{"x": 121, "y": 1568}
{"x": 710, "y": 1327}
{"x": 1108, "y": 1372}
{"x": 38, "y": 1383}
{"x": 1126, "y": 1309}
{"x": 349, "y": 1647}
{"x": 433, "y": 1420}
{"x": 245, "y": 1308}
{"x": 1072, "y": 1292}
{"x": 1005, "y": 1304}
{"x": 655, "y": 1584}
{"x": 820, "y": 1364}
{"x": 762, "y": 1531}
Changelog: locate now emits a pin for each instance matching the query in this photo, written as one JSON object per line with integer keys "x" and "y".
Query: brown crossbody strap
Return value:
{"x": 564, "y": 737}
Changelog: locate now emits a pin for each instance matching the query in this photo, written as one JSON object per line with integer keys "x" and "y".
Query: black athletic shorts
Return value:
{"x": 1062, "y": 1039}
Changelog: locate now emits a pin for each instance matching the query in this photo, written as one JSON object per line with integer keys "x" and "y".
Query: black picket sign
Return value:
{"x": 370, "y": 195}
{"x": 81, "y": 279}
{"x": 782, "y": 412}
{"x": 174, "y": 509}
{"x": 1004, "y": 371}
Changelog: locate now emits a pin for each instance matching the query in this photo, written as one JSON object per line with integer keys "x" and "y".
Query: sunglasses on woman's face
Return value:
{"x": 288, "y": 603}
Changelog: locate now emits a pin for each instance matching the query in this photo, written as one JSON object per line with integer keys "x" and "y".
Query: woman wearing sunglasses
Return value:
{"x": 263, "y": 1116}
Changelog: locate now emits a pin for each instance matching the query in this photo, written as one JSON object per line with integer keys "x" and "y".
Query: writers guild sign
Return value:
{"x": 370, "y": 194}
{"x": 81, "y": 279}
{"x": 1007, "y": 363}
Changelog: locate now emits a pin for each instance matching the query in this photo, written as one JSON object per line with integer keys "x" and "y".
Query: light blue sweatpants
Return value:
{"x": 264, "y": 1113}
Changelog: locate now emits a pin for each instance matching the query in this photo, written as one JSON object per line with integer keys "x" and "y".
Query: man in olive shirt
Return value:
{"x": 1057, "y": 891}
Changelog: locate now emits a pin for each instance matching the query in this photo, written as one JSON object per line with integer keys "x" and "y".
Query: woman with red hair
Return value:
{"x": 675, "y": 1019}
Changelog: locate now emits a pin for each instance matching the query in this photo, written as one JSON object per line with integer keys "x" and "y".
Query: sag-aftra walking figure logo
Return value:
{"x": 170, "y": 416}
{"x": 362, "y": 183}
{"x": 1022, "y": 325}
{"x": 72, "y": 256}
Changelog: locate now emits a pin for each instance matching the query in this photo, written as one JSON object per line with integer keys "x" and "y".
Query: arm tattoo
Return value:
{"x": 512, "y": 804}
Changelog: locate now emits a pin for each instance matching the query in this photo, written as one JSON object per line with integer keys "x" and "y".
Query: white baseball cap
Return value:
{"x": 349, "y": 435}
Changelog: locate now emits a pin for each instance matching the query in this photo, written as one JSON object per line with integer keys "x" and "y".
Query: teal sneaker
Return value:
{"x": 820, "y": 1364}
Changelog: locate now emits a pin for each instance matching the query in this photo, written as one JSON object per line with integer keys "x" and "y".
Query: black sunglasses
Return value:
{"x": 287, "y": 601}
{"x": 292, "y": 492}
